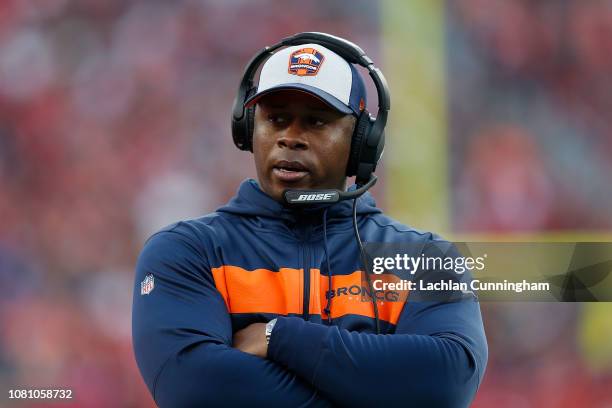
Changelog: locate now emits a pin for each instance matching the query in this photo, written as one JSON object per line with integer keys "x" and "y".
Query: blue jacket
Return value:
{"x": 199, "y": 281}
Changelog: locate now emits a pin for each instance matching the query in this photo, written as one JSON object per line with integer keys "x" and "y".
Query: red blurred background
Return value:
{"x": 114, "y": 121}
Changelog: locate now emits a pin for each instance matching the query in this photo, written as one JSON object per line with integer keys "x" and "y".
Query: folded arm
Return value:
{"x": 182, "y": 338}
{"x": 360, "y": 369}
{"x": 435, "y": 358}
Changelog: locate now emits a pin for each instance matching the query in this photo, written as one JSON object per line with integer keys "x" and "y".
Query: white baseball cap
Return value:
{"x": 316, "y": 70}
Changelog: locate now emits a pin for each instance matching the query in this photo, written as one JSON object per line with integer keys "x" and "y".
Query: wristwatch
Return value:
{"x": 269, "y": 328}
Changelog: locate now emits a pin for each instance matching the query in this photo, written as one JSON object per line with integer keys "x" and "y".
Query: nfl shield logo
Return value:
{"x": 147, "y": 285}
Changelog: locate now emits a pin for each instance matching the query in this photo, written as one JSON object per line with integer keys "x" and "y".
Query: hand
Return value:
{"x": 252, "y": 340}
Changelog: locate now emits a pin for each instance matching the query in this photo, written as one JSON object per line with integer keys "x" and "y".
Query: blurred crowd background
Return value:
{"x": 530, "y": 90}
{"x": 114, "y": 121}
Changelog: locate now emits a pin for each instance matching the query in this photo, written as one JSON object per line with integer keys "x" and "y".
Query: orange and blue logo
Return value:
{"x": 305, "y": 61}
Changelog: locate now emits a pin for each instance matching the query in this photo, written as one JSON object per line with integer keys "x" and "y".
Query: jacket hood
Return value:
{"x": 250, "y": 200}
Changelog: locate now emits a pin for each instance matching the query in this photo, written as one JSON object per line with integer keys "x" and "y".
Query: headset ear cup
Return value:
{"x": 250, "y": 126}
{"x": 242, "y": 126}
{"x": 238, "y": 129}
{"x": 362, "y": 127}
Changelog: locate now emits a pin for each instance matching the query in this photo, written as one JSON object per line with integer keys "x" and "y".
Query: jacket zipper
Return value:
{"x": 306, "y": 253}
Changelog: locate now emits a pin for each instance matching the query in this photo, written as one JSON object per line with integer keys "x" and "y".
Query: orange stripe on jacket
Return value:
{"x": 260, "y": 290}
{"x": 266, "y": 291}
{"x": 351, "y": 301}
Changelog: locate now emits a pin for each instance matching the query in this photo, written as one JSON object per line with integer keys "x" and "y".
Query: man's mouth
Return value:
{"x": 290, "y": 171}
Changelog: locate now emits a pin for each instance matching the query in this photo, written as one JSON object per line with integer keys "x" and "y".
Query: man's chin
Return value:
{"x": 278, "y": 188}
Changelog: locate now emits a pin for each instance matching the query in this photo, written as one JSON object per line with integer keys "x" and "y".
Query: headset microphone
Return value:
{"x": 297, "y": 197}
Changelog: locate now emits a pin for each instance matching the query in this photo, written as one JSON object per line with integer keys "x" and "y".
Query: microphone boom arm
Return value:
{"x": 305, "y": 197}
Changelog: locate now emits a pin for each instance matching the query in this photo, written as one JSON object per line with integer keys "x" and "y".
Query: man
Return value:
{"x": 262, "y": 303}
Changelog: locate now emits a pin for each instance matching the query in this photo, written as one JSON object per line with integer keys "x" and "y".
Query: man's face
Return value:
{"x": 299, "y": 142}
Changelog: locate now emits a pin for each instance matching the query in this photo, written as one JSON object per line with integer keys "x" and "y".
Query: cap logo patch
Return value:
{"x": 305, "y": 61}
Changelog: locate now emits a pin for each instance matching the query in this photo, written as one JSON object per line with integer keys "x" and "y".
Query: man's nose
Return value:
{"x": 293, "y": 137}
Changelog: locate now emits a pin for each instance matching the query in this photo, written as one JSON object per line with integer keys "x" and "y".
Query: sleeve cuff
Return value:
{"x": 298, "y": 345}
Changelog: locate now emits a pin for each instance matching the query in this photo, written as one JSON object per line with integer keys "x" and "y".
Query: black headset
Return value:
{"x": 368, "y": 139}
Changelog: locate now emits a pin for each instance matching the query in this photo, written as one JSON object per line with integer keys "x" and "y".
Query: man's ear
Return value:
{"x": 256, "y": 113}
{"x": 354, "y": 118}
{"x": 353, "y": 124}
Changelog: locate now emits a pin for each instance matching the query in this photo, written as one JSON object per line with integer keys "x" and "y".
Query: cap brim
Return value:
{"x": 316, "y": 92}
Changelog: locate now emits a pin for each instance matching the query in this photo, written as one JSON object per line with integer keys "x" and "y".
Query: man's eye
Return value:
{"x": 316, "y": 121}
{"x": 277, "y": 119}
